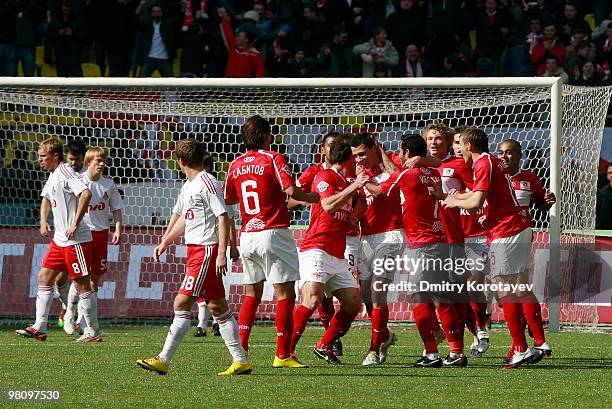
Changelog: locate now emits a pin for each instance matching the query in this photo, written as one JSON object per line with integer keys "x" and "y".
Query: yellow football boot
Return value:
{"x": 237, "y": 368}
{"x": 154, "y": 364}
{"x": 289, "y": 362}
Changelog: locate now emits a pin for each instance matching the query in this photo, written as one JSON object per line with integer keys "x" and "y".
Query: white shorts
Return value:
{"x": 320, "y": 267}
{"x": 381, "y": 246}
{"x": 511, "y": 255}
{"x": 269, "y": 255}
{"x": 351, "y": 254}
{"x": 477, "y": 252}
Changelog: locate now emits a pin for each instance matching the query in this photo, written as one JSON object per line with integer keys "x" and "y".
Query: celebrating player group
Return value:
{"x": 443, "y": 197}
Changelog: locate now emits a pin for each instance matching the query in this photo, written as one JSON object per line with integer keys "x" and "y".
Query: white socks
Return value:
{"x": 89, "y": 304}
{"x": 229, "y": 332}
{"x": 71, "y": 305}
{"x": 44, "y": 298}
{"x": 178, "y": 329}
{"x": 63, "y": 291}
{"x": 203, "y": 315}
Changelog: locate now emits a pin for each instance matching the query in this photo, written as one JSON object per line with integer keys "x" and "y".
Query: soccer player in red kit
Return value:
{"x": 70, "y": 249}
{"x": 326, "y": 308}
{"x": 509, "y": 234}
{"x": 323, "y": 268}
{"x": 259, "y": 180}
{"x": 426, "y": 240}
{"x": 528, "y": 190}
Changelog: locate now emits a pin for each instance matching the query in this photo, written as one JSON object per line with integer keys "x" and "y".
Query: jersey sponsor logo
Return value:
{"x": 448, "y": 172}
{"x": 189, "y": 215}
{"x": 97, "y": 207}
{"x": 525, "y": 185}
{"x": 249, "y": 159}
{"x": 322, "y": 186}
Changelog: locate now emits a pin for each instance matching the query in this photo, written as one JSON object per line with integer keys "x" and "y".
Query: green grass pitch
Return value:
{"x": 105, "y": 375}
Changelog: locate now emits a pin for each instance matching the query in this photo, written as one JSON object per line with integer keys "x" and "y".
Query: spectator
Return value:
{"x": 29, "y": 18}
{"x": 570, "y": 21}
{"x": 280, "y": 50}
{"x": 159, "y": 43}
{"x": 192, "y": 56}
{"x": 244, "y": 60}
{"x": 299, "y": 66}
{"x": 492, "y": 30}
{"x": 250, "y": 21}
{"x": 412, "y": 65}
{"x": 353, "y": 17}
{"x": 533, "y": 38}
{"x": 542, "y": 11}
{"x": 311, "y": 30}
{"x": 142, "y": 15}
{"x": 604, "y": 204}
{"x": 8, "y": 35}
{"x": 579, "y": 35}
{"x": 66, "y": 32}
{"x": 406, "y": 26}
{"x": 444, "y": 31}
{"x": 586, "y": 75}
{"x": 604, "y": 45}
{"x": 550, "y": 46}
{"x": 378, "y": 55}
{"x": 552, "y": 68}
{"x": 335, "y": 58}
{"x": 578, "y": 58}
{"x": 516, "y": 57}
{"x": 119, "y": 37}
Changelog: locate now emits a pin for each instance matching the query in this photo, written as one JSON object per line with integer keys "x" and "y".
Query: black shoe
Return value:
{"x": 200, "y": 332}
{"x": 327, "y": 355}
{"x": 337, "y": 348}
{"x": 460, "y": 360}
{"x": 425, "y": 362}
{"x": 216, "y": 331}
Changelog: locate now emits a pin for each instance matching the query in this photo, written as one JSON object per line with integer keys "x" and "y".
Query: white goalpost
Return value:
{"x": 139, "y": 120}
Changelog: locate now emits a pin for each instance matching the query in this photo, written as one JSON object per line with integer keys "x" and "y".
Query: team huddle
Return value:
{"x": 443, "y": 196}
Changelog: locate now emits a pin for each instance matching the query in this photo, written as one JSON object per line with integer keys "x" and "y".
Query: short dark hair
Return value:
{"x": 254, "y": 132}
{"x": 191, "y": 151}
{"x": 156, "y": 4}
{"x": 459, "y": 129}
{"x": 476, "y": 137}
{"x": 339, "y": 151}
{"x": 552, "y": 57}
{"x": 76, "y": 147}
{"x": 515, "y": 145}
{"x": 414, "y": 143}
{"x": 208, "y": 162}
{"x": 247, "y": 34}
{"x": 332, "y": 134}
{"x": 363, "y": 138}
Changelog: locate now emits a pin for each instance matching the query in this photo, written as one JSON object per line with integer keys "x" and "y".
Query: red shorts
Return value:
{"x": 201, "y": 279}
{"x": 74, "y": 259}
{"x": 100, "y": 252}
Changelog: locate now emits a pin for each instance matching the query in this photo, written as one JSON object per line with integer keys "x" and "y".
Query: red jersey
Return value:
{"x": 257, "y": 180}
{"x": 420, "y": 209}
{"x": 528, "y": 189}
{"x": 383, "y": 213}
{"x": 327, "y": 231}
{"x": 306, "y": 179}
{"x": 240, "y": 63}
{"x": 504, "y": 215}
{"x": 453, "y": 172}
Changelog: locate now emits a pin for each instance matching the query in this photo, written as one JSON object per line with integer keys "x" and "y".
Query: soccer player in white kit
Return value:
{"x": 70, "y": 249}
{"x": 105, "y": 200}
{"x": 205, "y": 222}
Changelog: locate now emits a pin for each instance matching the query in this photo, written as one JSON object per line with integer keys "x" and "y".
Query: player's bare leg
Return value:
{"x": 350, "y": 304}
{"x": 44, "y": 298}
{"x": 246, "y": 316}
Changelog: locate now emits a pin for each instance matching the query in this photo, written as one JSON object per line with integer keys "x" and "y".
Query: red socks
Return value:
{"x": 533, "y": 314}
{"x": 300, "y": 319}
{"x": 513, "y": 314}
{"x": 338, "y": 326}
{"x": 380, "y": 331}
{"x": 326, "y": 311}
{"x": 452, "y": 326}
{"x": 427, "y": 324}
{"x": 246, "y": 318}
{"x": 284, "y": 326}
{"x": 480, "y": 312}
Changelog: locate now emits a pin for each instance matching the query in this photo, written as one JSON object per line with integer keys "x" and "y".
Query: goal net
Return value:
{"x": 139, "y": 122}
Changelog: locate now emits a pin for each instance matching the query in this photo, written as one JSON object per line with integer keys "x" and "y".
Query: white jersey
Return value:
{"x": 62, "y": 189}
{"x": 201, "y": 203}
{"x": 105, "y": 199}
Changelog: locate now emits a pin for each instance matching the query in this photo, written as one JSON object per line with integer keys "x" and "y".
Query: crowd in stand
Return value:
{"x": 306, "y": 38}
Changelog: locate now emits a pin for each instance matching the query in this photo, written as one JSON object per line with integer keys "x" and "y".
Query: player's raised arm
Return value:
{"x": 332, "y": 203}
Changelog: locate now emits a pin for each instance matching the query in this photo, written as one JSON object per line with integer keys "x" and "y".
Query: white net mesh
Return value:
{"x": 139, "y": 127}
